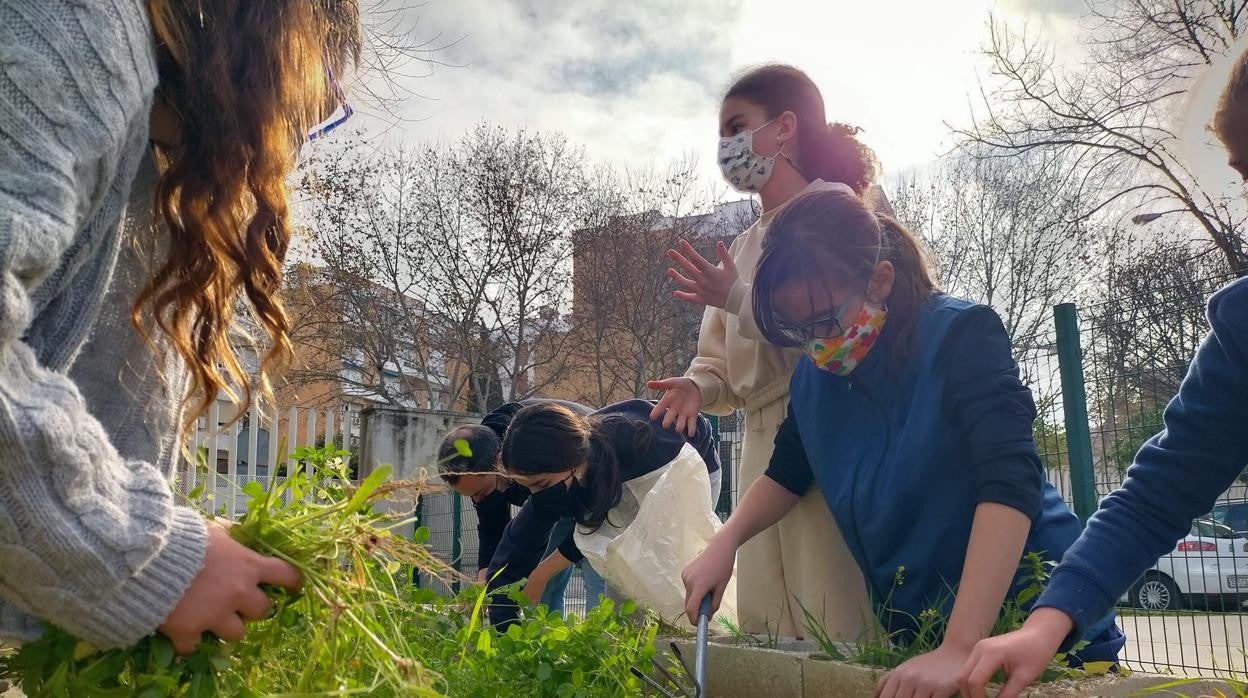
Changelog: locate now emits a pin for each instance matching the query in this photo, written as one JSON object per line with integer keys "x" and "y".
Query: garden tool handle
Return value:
{"x": 699, "y": 660}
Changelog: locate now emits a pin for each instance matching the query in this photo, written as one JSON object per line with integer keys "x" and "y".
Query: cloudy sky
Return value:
{"x": 638, "y": 82}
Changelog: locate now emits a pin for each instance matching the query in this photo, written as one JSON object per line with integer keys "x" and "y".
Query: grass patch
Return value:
{"x": 879, "y": 648}
{"x": 358, "y": 626}
{"x": 1236, "y": 684}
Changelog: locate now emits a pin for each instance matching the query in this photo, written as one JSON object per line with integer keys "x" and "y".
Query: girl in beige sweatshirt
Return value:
{"x": 774, "y": 142}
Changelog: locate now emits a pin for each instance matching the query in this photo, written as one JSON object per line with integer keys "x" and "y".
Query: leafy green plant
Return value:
{"x": 338, "y": 634}
{"x": 352, "y": 459}
{"x": 819, "y": 633}
{"x": 544, "y": 654}
{"x": 878, "y": 647}
{"x": 357, "y": 627}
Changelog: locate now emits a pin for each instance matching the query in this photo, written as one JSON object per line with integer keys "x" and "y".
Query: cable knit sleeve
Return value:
{"x": 88, "y": 542}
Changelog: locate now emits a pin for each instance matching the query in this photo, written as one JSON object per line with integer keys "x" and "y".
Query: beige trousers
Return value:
{"x": 804, "y": 558}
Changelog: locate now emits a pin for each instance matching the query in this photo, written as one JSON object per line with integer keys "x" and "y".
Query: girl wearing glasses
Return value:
{"x": 908, "y": 414}
{"x": 189, "y": 117}
{"x": 774, "y": 141}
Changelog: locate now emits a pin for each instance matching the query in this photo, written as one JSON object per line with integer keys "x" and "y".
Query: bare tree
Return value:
{"x": 1004, "y": 232}
{"x": 462, "y": 260}
{"x": 1150, "y": 321}
{"x": 1116, "y": 117}
{"x": 361, "y": 310}
{"x": 396, "y": 49}
{"x": 631, "y": 326}
{"x": 442, "y": 270}
{"x": 530, "y": 191}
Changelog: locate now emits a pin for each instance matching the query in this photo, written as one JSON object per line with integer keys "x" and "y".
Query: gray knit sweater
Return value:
{"x": 91, "y": 540}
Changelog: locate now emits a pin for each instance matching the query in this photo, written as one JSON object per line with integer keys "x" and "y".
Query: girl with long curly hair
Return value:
{"x": 189, "y": 116}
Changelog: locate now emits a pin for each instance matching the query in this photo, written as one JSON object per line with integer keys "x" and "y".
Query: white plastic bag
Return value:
{"x": 663, "y": 520}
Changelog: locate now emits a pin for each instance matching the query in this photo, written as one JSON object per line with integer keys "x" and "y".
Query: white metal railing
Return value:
{"x": 235, "y": 454}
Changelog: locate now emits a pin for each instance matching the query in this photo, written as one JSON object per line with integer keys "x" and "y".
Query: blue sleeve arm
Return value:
{"x": 704, "y": 440}
{"x": 1177, "y": 476}
{"x": 523, "y": 544}
{"x": 994, "y": 410}
{"x": 493, "y": 515}
{"x": 789, "y": 466}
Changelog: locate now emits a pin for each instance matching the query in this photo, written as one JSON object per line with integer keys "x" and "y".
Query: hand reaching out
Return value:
{"x": 706, "y": 283}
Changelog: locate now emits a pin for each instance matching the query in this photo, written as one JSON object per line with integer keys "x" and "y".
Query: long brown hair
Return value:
{"x": 1234, "y": 93}
{"x": 247, "y": 80}
{"x": 831, "y": 236}
{"x": 831, "y": 152}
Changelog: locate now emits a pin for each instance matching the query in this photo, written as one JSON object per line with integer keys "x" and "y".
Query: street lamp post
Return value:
{"x": 1146, "y": 218}
{"x": 1143, "y": 218}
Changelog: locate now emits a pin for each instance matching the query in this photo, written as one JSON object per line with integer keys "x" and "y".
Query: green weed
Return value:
{"x": 357, "y": 627}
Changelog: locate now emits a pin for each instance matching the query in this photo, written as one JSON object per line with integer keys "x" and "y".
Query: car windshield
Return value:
{"x": 1208, "y": 528}
{"x": 1234, "y": 515}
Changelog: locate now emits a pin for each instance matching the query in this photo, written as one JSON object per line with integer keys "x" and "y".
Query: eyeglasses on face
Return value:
{"x": 335, "y": 121}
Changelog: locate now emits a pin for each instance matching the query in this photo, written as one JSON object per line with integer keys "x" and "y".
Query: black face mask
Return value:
{"x": 558, "y": 500}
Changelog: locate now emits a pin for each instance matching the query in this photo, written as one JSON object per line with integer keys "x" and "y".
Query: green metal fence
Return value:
{"x": 452, "y": 523}
{"x": 1102, "y": 375}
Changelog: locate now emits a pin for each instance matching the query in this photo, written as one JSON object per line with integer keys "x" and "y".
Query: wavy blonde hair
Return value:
{"x": 247, "y": 80}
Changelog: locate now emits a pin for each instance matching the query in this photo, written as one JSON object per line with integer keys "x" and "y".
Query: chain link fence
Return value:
{"x": 1102, "y": 375}
{"x": 452, "y": 523}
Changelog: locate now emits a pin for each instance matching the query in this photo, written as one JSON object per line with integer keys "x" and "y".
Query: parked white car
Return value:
{"x": 1207, "y": 568}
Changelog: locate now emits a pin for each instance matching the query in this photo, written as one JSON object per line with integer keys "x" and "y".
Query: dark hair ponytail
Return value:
{"x": 829, "y": 237}
{"x": 604, "y": 486}
{"x": 913, "y": 283}
{"x": 831, "y": 152}
{"x": 550, "y": 438}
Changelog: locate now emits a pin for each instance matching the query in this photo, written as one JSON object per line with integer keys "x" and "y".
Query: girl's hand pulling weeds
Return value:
{"x": 707, "y": 284}
{"x": 225, "y": 592}
{"x": 1023, "y": 654}
{"x": 931, "y": 675}
{"x": 680, "y": 404}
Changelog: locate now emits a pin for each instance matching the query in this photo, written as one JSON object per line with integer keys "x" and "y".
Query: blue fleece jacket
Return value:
{"x": 904, "y": 455}
{"x": 1177, "y": 476}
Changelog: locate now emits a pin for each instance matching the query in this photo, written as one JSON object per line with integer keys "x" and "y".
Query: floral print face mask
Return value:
{"x": 842, "y": 354}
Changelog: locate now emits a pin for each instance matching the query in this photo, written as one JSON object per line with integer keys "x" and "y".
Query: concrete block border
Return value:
{"x": 797, "y": 670}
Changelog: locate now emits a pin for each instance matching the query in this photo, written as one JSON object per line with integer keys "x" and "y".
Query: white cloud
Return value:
{"x": 638, "y": 82}
{"x": 1061, "y": 8}
{"x": 633, "y": 81}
